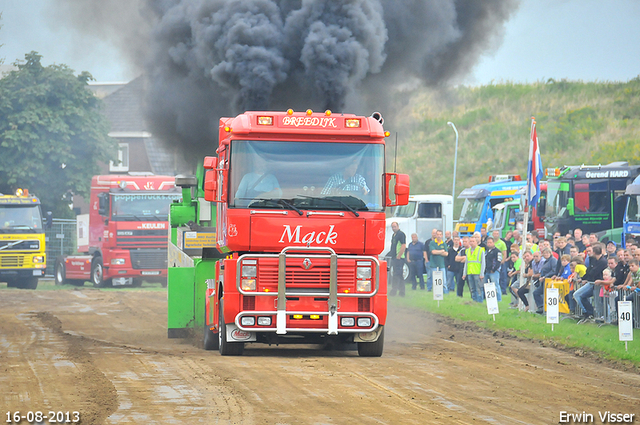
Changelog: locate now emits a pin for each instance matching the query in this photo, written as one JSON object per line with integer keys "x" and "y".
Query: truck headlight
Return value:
{"x": 38, "y": 259}
{"x": 364, "y": 322}
{"x": 264, "y": 321}
{"x": 249, "y": 271}
{"x": 118, "y": 261}
{"x": 363, "y": 286}
{"x": 248, "y": 284}
{"x": 248, "y": 321}
{"x": 363, "y": 273}
{"x": 347, "y": 321}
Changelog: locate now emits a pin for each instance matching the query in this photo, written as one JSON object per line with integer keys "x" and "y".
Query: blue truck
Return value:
{"x": 480, "y": 199}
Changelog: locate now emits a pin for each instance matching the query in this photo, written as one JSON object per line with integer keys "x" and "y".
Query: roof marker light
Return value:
{"x": 352, "y": 123}
{"x": 309, "y": 112}
{"x": 327, "y": 112}
{"x": 265, "y": 120}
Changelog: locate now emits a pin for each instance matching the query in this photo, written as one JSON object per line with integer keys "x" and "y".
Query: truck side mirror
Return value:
{"x": 214, "y": 191}
{"x": 103, "y": 203}
{"x": 210, "y": 162}
{"x": 49, "y": 221}
{"x": 400, "y": 189}
{"x": 210, "y": 186}
{"x": 542, "y": 207}
{"x": 570, "y": 207}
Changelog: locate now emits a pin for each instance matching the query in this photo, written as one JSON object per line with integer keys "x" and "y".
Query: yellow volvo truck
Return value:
{"x": 22, "y": 240}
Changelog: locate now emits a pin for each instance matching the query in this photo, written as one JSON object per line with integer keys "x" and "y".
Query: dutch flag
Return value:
{"x": 534, "y": 171}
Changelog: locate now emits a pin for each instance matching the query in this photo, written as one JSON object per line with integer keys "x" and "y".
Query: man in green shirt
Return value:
{"x": 438, "y": 251}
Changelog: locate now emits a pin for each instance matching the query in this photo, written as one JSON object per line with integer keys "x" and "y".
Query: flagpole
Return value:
{"x": 525, "y": 223}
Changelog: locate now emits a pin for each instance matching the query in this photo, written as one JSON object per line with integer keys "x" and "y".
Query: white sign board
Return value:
{"x": 492, "y": 298}
{"x": 625, "y": 321}
{"x": 438, "y": 285}
{"x": 553, "y": 305}
{"x": 82, "y": 229}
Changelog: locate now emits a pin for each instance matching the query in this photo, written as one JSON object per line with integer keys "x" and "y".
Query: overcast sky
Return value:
{"x": 574, "y": 39}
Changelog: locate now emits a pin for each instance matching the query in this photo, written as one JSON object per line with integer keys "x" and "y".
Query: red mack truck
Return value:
{"x": 123, "y": 239}
{"x": 299, "y": 224}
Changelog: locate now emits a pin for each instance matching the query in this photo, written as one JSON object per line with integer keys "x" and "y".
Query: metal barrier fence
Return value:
{"x": 605, "y": 307}
{"x": 60, "y": 240}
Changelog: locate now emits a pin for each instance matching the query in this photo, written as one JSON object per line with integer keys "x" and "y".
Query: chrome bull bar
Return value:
{"x": 281, "y": 306}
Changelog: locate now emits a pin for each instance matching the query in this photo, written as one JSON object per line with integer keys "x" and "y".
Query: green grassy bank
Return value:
{"x": 602, "y": 341}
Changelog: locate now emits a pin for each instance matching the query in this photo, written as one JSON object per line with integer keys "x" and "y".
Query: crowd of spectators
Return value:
{"x": 518, "y": 266}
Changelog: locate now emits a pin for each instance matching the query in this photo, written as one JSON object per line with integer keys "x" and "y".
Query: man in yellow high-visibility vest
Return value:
{"x": 474, "y": 269}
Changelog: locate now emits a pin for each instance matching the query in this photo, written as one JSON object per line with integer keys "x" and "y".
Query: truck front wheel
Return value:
{"x": 227, "y": 348}
{"x": 210, "y": 340}
{"x": 60, "y": 273}
{"x": 372, "y": 349}
{"x": 97, "y": 274}
{"x": 29, "y": 283}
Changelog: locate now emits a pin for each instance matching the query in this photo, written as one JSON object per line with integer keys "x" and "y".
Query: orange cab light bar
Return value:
{"x": 553, "y": 172}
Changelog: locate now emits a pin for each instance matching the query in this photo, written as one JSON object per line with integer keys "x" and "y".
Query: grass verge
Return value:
{"x": 602, "y": 341}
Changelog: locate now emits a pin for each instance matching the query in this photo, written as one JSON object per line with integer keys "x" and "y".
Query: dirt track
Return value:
{"x": 106, "y": 355}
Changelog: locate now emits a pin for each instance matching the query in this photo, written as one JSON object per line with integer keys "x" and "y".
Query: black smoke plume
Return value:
{"x": 204, "y": 59}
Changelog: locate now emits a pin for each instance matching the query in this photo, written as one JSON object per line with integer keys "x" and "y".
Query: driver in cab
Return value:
{"x": 347, "y": 181}
{"x": 259, "y": 183}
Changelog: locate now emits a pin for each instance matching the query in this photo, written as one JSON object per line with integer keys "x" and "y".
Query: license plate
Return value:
{"x": 37, "y": 272}
{"x": 150, "y": 273}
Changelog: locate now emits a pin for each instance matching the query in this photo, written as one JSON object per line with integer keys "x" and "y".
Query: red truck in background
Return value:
{"x": 300, "y": 216}
{"x": 123, "y": 239}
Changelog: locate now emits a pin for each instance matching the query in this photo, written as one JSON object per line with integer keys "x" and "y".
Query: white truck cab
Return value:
{"x": 422, "y": 214}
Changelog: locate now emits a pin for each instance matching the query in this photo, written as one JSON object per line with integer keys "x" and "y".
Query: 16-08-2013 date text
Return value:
{"x": 51, "y": 417}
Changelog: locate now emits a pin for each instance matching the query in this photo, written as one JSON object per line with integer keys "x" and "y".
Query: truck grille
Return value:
{"x": 141, "y": 238}
{"x": 297, "y": 276}
{"x": 12, "y": 261}
{"x": 30, "y": 245}
{"x": 149, "y": 258}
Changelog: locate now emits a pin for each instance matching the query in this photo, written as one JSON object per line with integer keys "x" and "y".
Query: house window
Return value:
{"x": 123, "y": 159}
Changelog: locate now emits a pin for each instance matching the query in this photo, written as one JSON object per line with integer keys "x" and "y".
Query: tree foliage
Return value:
{"x": 52, "y": 134}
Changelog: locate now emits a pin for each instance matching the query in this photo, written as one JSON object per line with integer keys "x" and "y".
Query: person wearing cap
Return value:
{"x": 611, "y": 249}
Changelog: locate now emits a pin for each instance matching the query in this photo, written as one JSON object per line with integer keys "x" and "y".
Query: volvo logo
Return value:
{"x": 306, "y": 264}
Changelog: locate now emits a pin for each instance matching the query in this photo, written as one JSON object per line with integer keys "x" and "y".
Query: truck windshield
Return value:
{"x": 20, "y": 219}
{"x": 556, "y": 199}
{"x": 633, "y": 215}
{"x": 141, "y": 207}
{"x": 405, "y": 210}
{"x": 471, "y": 210}
{"x": 499, "y": 216}
{"x": 306, "y": 175}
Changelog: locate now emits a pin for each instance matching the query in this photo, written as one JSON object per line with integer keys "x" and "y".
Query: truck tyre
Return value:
{"x": 210, "y": 340}
{"x": 136, "y": 283}
{"x": 12, "y": 284}
{"x": 372, "y": 349}
{"x": 97, "y": 274}
{"x": 60, "y": 273}
{"x": 227, "y": 348}
{"x": 29, "y": 283}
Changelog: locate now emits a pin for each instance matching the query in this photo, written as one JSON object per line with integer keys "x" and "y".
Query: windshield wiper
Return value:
{"x": 128, "y": 217}
{"x": 334, "y": 200}
{"x": 277, "y": 201}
